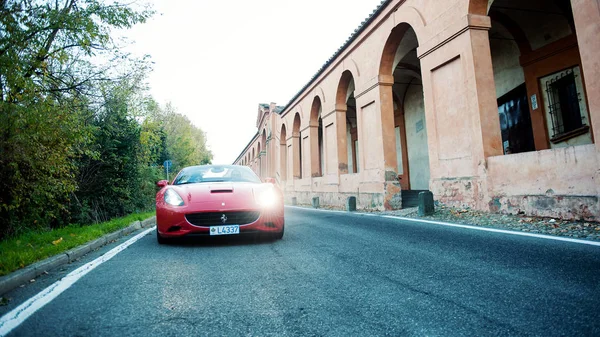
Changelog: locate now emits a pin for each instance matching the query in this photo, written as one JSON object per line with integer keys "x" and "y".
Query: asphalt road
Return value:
{"x": 335, "y": 274}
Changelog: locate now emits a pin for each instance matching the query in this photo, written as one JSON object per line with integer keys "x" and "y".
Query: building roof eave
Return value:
{"x": 340, "y": 50}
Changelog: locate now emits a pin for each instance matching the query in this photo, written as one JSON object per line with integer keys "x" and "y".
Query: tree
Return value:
{"x": 49, "y": 92}
{"x": 108, "y": 175}
{"x": 186, "y": 143}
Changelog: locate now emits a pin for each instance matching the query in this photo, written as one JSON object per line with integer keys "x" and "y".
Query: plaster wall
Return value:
{"x": 557, "y": 182}
{"x": 450, "y": 121}
{"x": 370, "y": 137}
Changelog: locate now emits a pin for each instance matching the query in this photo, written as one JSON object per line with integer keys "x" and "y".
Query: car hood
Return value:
{"x": 232, "y": 194}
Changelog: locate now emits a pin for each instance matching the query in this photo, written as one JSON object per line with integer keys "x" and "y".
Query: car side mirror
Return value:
{"x": 270, "y": 180}
{"x": 162, "y": 183}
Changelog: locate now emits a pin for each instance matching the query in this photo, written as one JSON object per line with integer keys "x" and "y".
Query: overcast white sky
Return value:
{"x": 215, "y": 61}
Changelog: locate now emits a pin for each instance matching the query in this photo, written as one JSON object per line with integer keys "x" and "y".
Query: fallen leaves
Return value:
{"x": 458, "y": 212}
{"x": 55, "y": 242}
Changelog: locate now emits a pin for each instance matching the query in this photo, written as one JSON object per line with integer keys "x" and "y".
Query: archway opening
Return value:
{"x": 348, "y": 144}
{"x": 283, "y": 166}
{"x": 295, "y": 149}
{"x": 537, "y": 74}
{"x": 412, "y": 153}
{"x": 317, "y": 159}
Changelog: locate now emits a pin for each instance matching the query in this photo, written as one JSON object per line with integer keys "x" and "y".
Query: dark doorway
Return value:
{"x": 515, "y": 121}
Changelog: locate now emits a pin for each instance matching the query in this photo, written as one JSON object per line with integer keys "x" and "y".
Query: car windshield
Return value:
{"x": 215, "y": 173}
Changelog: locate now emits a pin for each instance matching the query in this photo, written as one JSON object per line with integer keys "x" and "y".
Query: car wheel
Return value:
{"x": 161, "y": 240}
{"x": 279, "y": 236}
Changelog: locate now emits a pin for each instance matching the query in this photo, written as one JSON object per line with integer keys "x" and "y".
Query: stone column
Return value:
{"x": 392, "y": 190}
{"x": 342, "y": 143}
{"x": 586, "y": 14}
{"x": 313, "y": 136}
{"x": 297, "y": 169}
{"x": 483, "y": 89}
{"x": 461, "y": 112}
{"x": 387, "y": 126}
{"x": 283, "y": 165}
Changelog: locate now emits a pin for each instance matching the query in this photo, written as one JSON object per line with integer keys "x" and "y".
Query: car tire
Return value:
{"x": 279, "y": 236}
{"x": 161, "y": 240}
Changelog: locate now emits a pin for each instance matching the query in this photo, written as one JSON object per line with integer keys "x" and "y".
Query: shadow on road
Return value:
{"x": 220, "y": 241}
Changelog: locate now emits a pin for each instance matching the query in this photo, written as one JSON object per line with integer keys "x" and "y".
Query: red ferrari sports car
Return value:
{"x": 218, "y": 200}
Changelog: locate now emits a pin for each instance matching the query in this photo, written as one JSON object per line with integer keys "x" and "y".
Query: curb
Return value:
{"x": 24, "y": 275}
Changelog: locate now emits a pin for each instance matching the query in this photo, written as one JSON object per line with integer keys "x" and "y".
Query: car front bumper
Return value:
{"x": 171, "y": 222}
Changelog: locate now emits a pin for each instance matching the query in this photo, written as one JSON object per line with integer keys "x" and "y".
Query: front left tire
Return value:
{"x": 279, "y": 236}
{"x": 161, "y": 240}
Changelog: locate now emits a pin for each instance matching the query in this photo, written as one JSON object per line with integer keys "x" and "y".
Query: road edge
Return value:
{"x": 24, "y": 275}
{"x": 457, "y": 225}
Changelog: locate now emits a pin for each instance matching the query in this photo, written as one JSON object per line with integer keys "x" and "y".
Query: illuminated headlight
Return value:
{"x": 268, "y": 198}
{"x": 172, "y": 198}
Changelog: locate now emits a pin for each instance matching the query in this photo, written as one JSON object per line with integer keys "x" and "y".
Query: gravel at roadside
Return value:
{"x": 548, "y": 226}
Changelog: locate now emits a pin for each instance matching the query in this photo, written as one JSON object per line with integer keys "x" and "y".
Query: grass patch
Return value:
{"x": 33, "y": 246}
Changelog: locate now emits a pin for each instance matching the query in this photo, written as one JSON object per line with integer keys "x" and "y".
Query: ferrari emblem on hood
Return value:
{"x": 223, "y": 218}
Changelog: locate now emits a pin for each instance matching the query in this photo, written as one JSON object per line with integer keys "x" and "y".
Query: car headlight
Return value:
{"x": 172, "y": 198}
{"x": 267, "y": 198}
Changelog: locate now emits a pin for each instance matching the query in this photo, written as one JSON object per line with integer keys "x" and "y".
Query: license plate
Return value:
{"x": 225, "y": 230}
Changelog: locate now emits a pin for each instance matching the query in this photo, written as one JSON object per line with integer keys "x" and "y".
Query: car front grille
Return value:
{"x": 216, "y": 218}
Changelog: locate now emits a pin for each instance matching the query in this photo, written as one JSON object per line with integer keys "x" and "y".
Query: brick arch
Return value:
{"x": 344, "y": 83}
{"x": 283, "y": 134}
{"x": 296, "y": 124}
{"x": 409, "y": 20}
{"x": 386, "y": 66}
{"x": 314, "y": 110}
{"x": 342, "y": 129}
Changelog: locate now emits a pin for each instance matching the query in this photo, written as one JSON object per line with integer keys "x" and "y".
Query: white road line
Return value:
{"x": 18, "y": 315}
{"x": 485, "y": 229}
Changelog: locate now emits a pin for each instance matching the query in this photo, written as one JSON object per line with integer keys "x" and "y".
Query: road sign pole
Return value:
{"x": 167, "y": 165}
